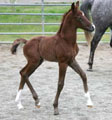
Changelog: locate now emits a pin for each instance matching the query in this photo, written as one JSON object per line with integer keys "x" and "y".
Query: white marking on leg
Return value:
{"x": 18, "y": 96}
{"x": 38, "y": 105}
{"x": 18, "y": 100}
{"x": 20, "y": 106}
{"x": 89, "y": 101}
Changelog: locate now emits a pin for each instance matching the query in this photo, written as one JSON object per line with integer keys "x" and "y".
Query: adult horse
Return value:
{"x": 101, "y": 11}
{"x": 61, "y": 48}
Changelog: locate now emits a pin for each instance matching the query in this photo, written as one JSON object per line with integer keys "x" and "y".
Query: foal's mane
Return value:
{"x": 63, "y": 21}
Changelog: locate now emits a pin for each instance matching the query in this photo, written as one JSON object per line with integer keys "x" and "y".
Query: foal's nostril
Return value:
{"x": 92, "y": 28}
{"x": 93, "y": 25}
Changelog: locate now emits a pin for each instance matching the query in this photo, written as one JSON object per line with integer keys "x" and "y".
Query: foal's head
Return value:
{"x": 79, "y": 18}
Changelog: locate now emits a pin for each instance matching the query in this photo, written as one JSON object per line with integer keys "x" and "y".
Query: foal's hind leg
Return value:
{"x": 62, "y": 72}
{"x": 18, "y": 96}
{"x": 75, "y": 66}
{"x": 25, "y": 73}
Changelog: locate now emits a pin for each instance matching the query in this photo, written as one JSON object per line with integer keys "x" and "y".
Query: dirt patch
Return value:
{"x": 72, "y": 103}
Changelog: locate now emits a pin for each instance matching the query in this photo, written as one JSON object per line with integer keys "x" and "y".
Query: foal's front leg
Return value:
{"x": 62, "y": 72}
{"x": 75, "y": 66}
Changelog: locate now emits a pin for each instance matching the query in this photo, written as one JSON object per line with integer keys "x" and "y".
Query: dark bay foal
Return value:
{"x": 61, "y": 48}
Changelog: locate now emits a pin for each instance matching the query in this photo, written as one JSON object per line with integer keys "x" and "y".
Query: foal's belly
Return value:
{"x": 47, "y": 50}
{"x": 49, "y": 56}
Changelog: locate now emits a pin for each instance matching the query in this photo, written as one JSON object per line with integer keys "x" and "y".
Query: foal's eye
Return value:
{"x": 79, "y": 19}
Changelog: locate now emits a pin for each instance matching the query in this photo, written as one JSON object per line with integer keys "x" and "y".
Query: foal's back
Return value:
{"x": 40, "y": 47}
{"x": 52, "y": 48}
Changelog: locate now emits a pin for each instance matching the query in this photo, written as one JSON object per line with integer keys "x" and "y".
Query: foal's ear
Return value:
{"x": 77, "y": 3}
{"x": 72, "y": 7}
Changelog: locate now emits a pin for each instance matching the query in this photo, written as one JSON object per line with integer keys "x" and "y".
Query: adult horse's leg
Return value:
{"x": 111, "y": 37}
{"x": 25, "y": 73}
{"x": 94, "y": 43}
{"x": 62, "y": 72}
{"x": 75, "y": 66}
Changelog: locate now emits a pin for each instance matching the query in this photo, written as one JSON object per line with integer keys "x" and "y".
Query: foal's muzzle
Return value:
{"x": 91, "y": 28}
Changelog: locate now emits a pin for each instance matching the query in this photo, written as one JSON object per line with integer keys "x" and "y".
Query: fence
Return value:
{"x": 42, "y": 4}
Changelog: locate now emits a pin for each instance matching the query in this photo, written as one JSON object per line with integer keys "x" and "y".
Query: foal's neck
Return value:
{"x": 68, "y": 31}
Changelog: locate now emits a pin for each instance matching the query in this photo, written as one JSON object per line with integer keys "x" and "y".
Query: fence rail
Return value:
{"x": 34, "y": 14}
{"x": 29, "y": 23}
{"x": 32, "y": 33}
{"x": 34, "y": 4}
{"x": 39, "y": 14}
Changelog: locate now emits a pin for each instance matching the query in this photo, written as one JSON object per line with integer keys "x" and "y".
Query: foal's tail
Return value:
{"x": 16, "y": 44}
{"x": 85, "y": 7}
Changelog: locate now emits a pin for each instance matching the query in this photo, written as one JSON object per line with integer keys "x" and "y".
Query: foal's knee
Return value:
{"x": 23, "y": 74}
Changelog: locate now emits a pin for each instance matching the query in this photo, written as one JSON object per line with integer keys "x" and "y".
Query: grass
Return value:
{"x": 32, "y": 19}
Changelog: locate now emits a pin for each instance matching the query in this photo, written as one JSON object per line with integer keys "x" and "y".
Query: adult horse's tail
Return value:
{"x": 85, "y": 7}
{"x": 16, "y": 44}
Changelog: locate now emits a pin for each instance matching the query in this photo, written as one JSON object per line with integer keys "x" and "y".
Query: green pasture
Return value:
{"x": 32, "y": 19}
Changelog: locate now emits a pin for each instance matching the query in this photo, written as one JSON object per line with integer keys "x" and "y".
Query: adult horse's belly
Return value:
{"x": 102, "y": 13}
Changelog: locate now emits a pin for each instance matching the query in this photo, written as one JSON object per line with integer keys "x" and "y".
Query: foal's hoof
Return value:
{"x": 20, "y": 106}
{"x": 89, "y": 106}
{"x": 37, "y": 105}
{"x": 56, "y": 112}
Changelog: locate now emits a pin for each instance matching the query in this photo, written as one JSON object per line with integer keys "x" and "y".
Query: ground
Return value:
{"x": 72, "y": 103}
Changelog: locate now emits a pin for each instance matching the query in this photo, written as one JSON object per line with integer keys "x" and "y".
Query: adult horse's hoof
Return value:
{"x": 90, "y": 70}
{"x": 90, "y": 67}
{"x": 56, "y": 112}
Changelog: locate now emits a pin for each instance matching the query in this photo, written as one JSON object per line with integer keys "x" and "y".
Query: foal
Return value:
{"x": 61, "y": 48}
